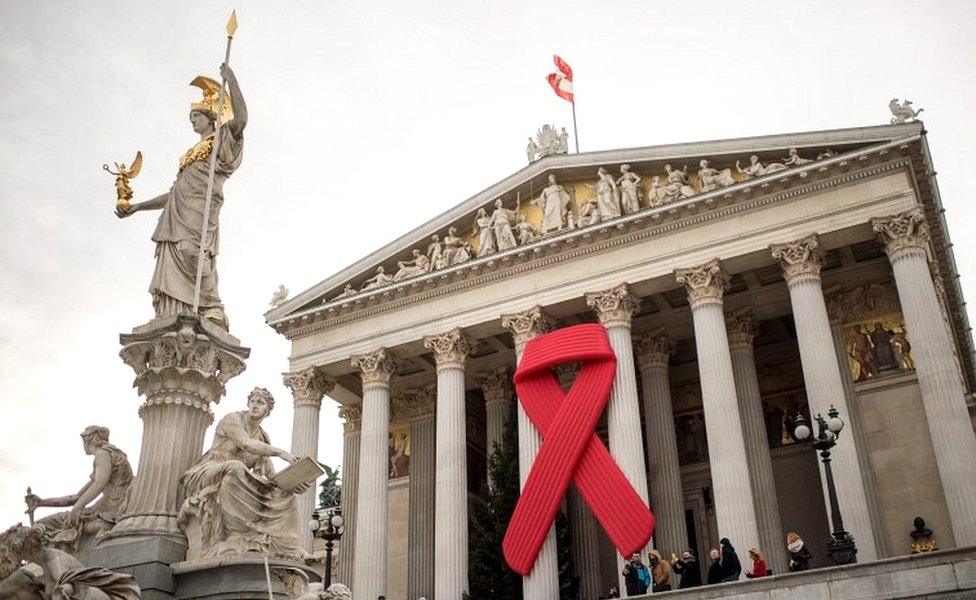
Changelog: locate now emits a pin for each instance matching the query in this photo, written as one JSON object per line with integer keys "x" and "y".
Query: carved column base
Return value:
{"x": 181, "y": 365}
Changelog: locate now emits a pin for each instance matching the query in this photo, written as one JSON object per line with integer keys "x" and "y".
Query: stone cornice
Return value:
{"x": 450, "y": 348}
{"x": 904, "y": 234}
{"x": 705, "y": 284}
{"x": 308, "y": 386}
{"x": 697, "y": 209}
{"x": 801, "y": 259}
{"x": 614, "y": 307}
{"x": 376, "y": 367}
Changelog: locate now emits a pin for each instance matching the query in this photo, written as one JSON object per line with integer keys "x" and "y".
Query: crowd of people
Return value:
{"x": 683, "y": 572}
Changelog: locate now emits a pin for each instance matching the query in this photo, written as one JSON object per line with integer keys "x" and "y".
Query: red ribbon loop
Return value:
{"x": 570, "y": 449}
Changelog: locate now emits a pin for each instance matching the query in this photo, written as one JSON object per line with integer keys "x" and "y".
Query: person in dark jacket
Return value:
{"x": 687, "y": 567}
{"x": 632, "y": 583}
{"x": 731, "y": 567}
{"x": 799, "y": 553}
{"x": 715, "y": 568}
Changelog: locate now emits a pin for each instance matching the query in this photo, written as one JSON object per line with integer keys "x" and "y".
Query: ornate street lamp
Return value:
{"x": 840, "y": 546}
{"x": 327, "y": 524}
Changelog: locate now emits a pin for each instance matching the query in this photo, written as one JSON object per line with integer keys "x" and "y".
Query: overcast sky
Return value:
{"x": 366, "y": 120}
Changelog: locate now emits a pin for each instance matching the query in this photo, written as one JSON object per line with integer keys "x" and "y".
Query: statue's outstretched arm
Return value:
{"x": 236, "y": 432}
{"x": 157, "y": 203}
{"x": 239, "y": 122}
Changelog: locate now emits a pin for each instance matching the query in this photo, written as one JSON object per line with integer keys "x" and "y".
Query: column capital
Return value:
{"x": 496, "y": 386}
{"x": 654, "y": 348}
{"x": 414, "y": 404}
{"x": 614, "y": 307}
{"x": 352, "y": 417}
{"x": 741, "y": 331}
{"x": 705, "y": 283}
{"x": 527, "y": 324}
{"x": 376, "y": 367}
{"x": 308, "y": 386}
{"x": 904, "y": 234}
{"x": 450, "y": 348}
{"x": 800, "y": 259}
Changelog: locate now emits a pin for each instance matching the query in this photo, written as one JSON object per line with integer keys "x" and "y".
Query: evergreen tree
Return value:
{"x": 568, "y": 581}
{"x": 489, "y": 576}
{"x": 330, "y": 490}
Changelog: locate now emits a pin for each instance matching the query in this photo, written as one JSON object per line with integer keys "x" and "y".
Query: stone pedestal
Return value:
{"x": 239, "y": 579}
{"x": 182, "y": 364}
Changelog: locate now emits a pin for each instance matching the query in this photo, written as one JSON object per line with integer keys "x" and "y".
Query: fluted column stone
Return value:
{"x": 667, "y": 499}
{"x": 369, "y": 568}
{"x": 451, "y": 487}
{"x": 181, "y": 367}
{"x": 906, "y": 240}
{"x": 543, "y": 582}
{"x": 496, "y": 387}
{"x": 734, "y": 505}
{"x": 307, "y": 386}
{"x": 351, "y": 415}
{"x": 741, "y": 335}
{"x": 615, "y": 308}
{"x": 801, "y": 261}
{"x": 419, "y": 409}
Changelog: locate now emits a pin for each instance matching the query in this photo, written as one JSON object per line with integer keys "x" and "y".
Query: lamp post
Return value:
{"x": 840, "y": 546}
{"x": 328, "y": 525}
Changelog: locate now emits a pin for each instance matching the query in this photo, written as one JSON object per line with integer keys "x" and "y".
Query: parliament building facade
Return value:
{"x": 741, "y": 282}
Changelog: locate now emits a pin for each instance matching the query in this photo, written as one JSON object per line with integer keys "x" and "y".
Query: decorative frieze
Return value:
{"x": 801, "y": 259}
{"x": 308, "y": 386}
{"x": 376, "y": 367}
{"x": 414, "y": 403}
{"x": 738, "y": 324}
{"x": 903, "y": 234}
{"x": 614, "y": 307}
{"x": 527, "y": 324}
{"x": 653, "y": 348}
{"x": 450, "y": 348}
{"x": 705, "y": 284}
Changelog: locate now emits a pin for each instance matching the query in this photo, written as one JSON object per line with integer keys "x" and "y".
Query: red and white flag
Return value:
{"x": 562, "y": 82}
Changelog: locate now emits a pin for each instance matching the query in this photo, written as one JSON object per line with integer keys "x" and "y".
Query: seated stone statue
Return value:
{"x": 53, "y": 574}
{"x": 106, "y": 491}
{"x": 232, "y": 508}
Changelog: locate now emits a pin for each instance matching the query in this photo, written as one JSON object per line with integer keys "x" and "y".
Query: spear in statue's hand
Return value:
{"x": 231, "y": 28}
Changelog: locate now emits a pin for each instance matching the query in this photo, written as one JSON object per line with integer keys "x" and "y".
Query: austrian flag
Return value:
{"x": 562, "y": 82}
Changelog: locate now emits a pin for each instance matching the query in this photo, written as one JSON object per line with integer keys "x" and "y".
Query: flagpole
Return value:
{"x": 575, "y": 131}
{"x": 231, "y": 28}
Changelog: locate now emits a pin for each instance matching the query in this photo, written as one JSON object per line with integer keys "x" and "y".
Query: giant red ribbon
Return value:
{"x": 570, "y": 449}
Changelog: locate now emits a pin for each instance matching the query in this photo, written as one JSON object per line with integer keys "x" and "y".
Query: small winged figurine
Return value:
{"x": 902, "y": 113}
{"x": 122, "y": 177}
{"x": 280, "y": 295}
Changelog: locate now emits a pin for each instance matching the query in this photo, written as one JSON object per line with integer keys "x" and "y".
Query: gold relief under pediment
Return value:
{"x": 878, "y": 346}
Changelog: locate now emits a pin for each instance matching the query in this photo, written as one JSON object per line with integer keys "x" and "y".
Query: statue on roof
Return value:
{"x": 502, "y": 221}
{"x": 547, "y": 142}
{"x": 607, "y": 197}
{"x": 712, "y": 178}
{"x": 524, "y": 231}
{"x": 902, "y": 112}
{"x": 481, "y": 229}
{"x": 377, "y": 281}
{"x": 757, "y": 169}
{"x": 414, "y": 267}
{"x": 280, "y": 295}
{"x": 456, "y": 249}
{"x": 630, "y": 191}
{"x": 181, "y": 221}
{"x": 795, "y": 160}
{"x": 554, "y": 203}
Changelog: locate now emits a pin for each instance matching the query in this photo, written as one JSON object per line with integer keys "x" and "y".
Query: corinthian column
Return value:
{"x": 419, "y": 408}
{"x": 615, "y": 308}
{"x": 351, "y": 415}
{"x": 496, "y": 387}
{"x": 369, "y": 573}
{"x": 307, "y": 388}
{"x": 543, "y": 582}
{"x": 906, "y": 239}
{"x": 451, "y": 480}
{"x": 801, "y": 261}
{"x": 739, "y": 326}
{"x": 734, "y": 507}
{"x": 653, "y": 354}
{"x": 181, "y": 367}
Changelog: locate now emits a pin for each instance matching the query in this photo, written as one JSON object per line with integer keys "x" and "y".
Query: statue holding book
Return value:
{"x": 235, "y": 502}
